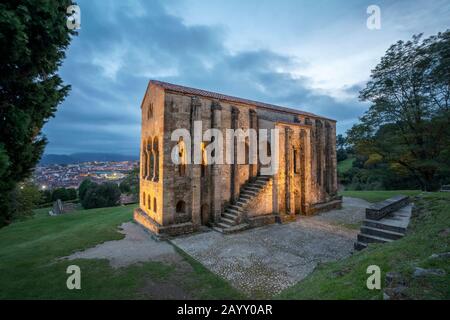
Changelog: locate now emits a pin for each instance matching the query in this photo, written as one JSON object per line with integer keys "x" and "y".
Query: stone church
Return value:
{"x": 177, "y": 198}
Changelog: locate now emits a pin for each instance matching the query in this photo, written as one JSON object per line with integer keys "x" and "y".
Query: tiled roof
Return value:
{"x": 223, "y": 97}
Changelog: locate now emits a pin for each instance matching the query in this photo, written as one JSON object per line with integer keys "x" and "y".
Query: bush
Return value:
{"x": 84, "y": 187}
{"x": 101, "y": 196}
{"x": 64, "y": 194}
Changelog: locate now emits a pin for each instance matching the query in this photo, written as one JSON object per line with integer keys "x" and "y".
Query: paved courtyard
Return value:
{"x": 266, "y": 260}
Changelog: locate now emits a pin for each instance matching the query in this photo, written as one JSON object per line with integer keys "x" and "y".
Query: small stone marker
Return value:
{"x": 58, "y": 208}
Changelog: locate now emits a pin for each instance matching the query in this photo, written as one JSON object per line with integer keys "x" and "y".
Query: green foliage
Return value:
{"x": 23, "y": 200}
{"x": 64, "y": 194}
{"x": 84, "y": 187}
{"x": 125, "y": 187}
{"x": 406, "y": 127}
{"x": 131, "y": 183}
{"x": 33, "y": 39}
{"x": 101, "y": 196}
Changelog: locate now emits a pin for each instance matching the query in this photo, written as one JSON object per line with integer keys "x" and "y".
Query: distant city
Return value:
{"x": 53, "y": 176}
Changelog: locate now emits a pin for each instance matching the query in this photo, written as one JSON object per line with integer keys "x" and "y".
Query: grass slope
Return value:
{"x": 428, "y": 234}
{"x": 30, "y": 268}
{"x": 345, "y": 165}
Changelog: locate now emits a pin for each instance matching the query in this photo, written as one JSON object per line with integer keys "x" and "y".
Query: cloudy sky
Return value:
{"x": 305, "y": 54}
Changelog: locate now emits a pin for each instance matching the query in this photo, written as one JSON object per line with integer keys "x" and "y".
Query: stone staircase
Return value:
{"x": 231, "y": 218}
{"x": 387, "y": 226}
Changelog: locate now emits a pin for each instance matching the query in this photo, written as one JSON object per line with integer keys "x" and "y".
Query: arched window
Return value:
{"x": 150, "y": 111}
{"x": 181, "y": 157}
{"x": 149, "y": 161}
{"x": 151, "y": 166}
{"x": 149, "y": 202}
{"x": 204, "y": 165}
{"x": 144, "y": 159}
{"x": 156, "y": 159}
{"x": 181, "y": 207}
{"x": 155, "y": 207}
{"x": 143, "y": 199}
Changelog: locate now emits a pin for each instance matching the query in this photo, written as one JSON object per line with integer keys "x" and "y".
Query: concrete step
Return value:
{"x": 381, "y": 233}
{"x": 384, "y": 226}
{"x": 232, "y": 229}
{"x": 365, "y": 238}
{"x": 360, "y": 245}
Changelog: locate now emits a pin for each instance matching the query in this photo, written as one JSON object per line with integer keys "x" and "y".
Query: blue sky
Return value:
{"x": 305, "y": 54}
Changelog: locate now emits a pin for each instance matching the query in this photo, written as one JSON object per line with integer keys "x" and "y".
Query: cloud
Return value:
{"x": 122, "y": 44}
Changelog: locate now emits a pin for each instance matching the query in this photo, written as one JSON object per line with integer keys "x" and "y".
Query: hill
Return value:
{"x": 49, "y": 159}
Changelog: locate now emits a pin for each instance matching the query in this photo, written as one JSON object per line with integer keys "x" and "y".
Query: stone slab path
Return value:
{"x": 264, "y": 261}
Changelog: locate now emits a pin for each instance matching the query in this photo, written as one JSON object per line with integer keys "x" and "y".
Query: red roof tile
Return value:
{"x": 223, "y": 97}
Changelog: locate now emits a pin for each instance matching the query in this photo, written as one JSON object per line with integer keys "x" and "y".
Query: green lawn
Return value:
{"x": 30, "y": 268}
{"x": 428, "y": 234}
{"x": 375, "y": 196}
{"x": 345, "y": 165}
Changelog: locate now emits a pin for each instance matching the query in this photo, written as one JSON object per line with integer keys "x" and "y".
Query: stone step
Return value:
{"x": 228, "y": 221}
{"x": 232, "y": 211}
{"x": 380, "y": 225}
{"x": 224, "y": 225}
{"x": 251, "y": 188}
{"x": 230, "y": 216}
{"x": 232, "y": 229}
{"x": 242, "y": 202}
{"x": 360, "y": 245}
{"x": 236, "y": 207}
{"x": 245, "y": 196}
{"x": 381, "y": 233}
{"x": 365, "y": 238}
{"x": 249, "y": 193}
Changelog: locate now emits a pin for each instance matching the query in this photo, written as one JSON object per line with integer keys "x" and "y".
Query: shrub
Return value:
{"x": 101, "y": 196}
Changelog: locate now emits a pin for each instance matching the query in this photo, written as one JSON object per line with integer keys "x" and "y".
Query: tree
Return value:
{"x": 84, "y": 187}
{"x": 23, "y": 200}
{"x": 407, "y": 124}
{"x": 33, "y": 39}
{"x": 131, "y": 183}
{"x": 64, "y": 194}
{"x": 101, "y": 196}
{"x": 341, "y": 144}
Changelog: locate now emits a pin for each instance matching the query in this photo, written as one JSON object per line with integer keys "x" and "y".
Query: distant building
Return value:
{"x": 178, "y": 198}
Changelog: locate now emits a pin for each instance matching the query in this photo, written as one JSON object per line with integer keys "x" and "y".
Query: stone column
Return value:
{"x": 234, "y": 167}
{"x": 334, "y": 182}
{"x": 254, "y": 126}
{"x": 195, "y": 167}
{"x": 288, "y": 171}
{"x": 216, "y": 172}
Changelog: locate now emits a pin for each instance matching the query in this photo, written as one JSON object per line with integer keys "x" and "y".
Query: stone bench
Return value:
{"x": 381, "y": 209}
{"x": 445, "y": 188}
